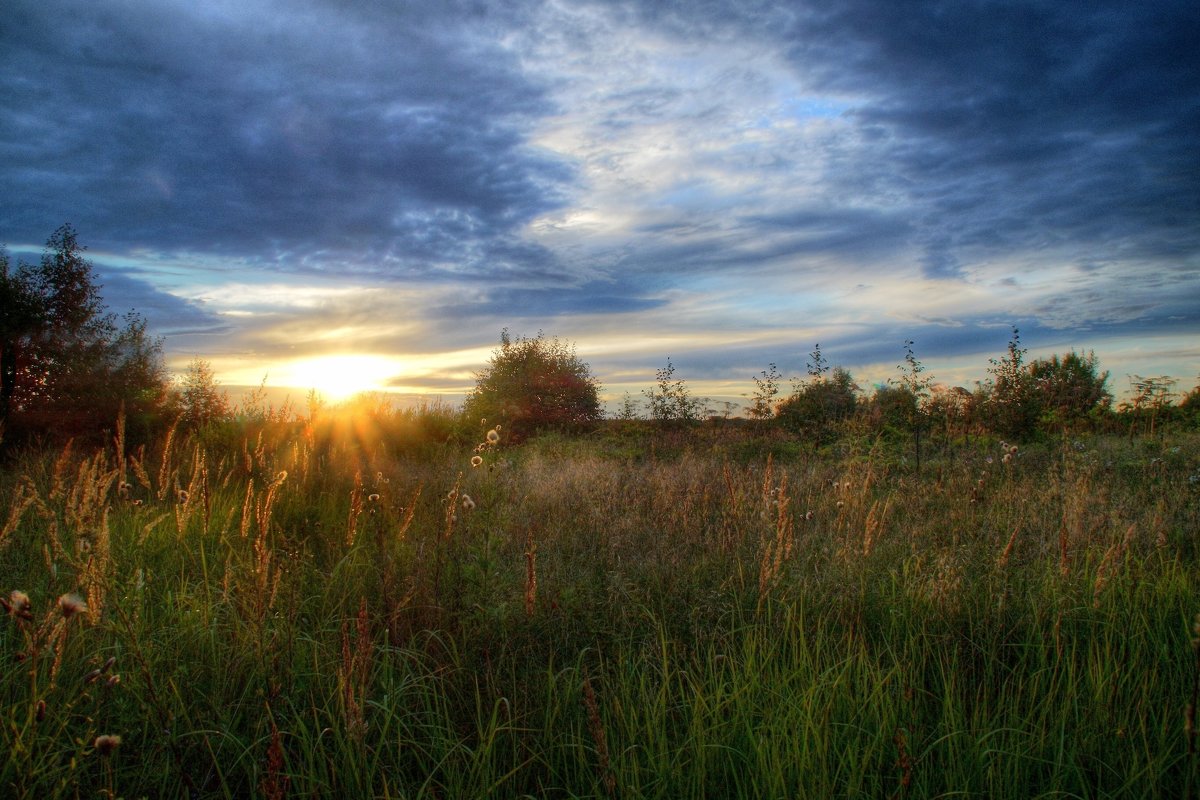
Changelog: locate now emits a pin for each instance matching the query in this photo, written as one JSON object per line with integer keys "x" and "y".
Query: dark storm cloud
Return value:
{"x": 352, "y": 135}
{"x": 1025, "y": 125}
{"x": 1005, "y": 125}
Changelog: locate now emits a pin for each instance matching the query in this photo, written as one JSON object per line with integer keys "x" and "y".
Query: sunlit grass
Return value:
{"x": 355, "y": 629}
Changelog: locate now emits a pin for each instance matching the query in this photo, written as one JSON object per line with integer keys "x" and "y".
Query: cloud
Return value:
{"x": 721, "y": 181}
{"x": 374, "y": 140}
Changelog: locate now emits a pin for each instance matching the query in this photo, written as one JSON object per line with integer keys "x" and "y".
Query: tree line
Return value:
{"x": 70, "y": 368}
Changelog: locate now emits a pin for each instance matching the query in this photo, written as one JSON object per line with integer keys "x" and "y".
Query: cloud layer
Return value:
{"x": 721, "y": 182}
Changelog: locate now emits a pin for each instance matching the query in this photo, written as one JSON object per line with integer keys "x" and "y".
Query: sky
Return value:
{"x": 349, "y": 196}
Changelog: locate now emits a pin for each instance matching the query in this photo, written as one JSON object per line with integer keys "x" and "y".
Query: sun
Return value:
{"x": 339, "y": 377}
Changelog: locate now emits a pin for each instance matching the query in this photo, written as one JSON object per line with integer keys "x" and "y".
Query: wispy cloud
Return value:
{"x": 723, "y": 182}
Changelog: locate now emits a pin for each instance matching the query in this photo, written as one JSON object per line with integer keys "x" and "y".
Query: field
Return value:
{"x": 291, "y": 610}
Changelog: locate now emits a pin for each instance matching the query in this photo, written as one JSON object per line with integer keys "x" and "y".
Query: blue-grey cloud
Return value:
{"x": 370, "y": 138}
{"x": 536, "y": 164}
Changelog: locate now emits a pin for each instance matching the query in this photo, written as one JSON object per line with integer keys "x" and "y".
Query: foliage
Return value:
{"x": 670, "y": 401}
{"x": 202, "y": 400}
{"x": 273, "y": 617}
{"x": 816, "y": 406}
{"x": 1012, "y": 408}
{"x": 534, "y": 384}
{"x": 766, "y": 389}
{"x": 68, "y": 367}
{"x": 1069, "y": 388}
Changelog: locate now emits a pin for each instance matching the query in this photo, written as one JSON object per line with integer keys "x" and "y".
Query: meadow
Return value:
{"x": 314, "y": 608}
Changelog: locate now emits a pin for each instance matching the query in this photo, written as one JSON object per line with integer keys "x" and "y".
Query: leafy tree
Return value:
{"x": 766, "y": 389}
{"x": 1151, "y": 397}
{"x": 814, "y": 407}
{"x": 1069, "y": 388}
{"x": 21, "y": 315}
{"x": 67, "y": 366}
{"x": 531, "y": 384}
{"x": 914, "y": 383}
{"x": 671, "y": 401}
{"x": 1012, "y": 408}
{"x": 202, "y": 399}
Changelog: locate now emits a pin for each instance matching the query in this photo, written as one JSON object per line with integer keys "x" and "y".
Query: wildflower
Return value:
{"x": 106, "y": 743}
{"x": 840, "y": 504}
{"x": 1007, "y": 458}
{"x": 374, "y": 498}
{"x": 498, "y": 430}
{"x": 467, "y": 503}
{"x": 493, "y": 437}
{"x": 476, "y": 461}
{"x": 282, "y": 476}
{"x": 182, "y": 496}
{"x": 1012, "y": 451}
{"x": 71, "y": 604}
{"x": 113, "y": 681}
{"x": 483, "y": 422}
{"x": 808, "y": 515}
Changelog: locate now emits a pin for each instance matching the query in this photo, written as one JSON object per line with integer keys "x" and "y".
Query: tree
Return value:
{"x": 672, "y": 401}
{"x": 915, "y": 384}
{"x": 532, "y": 384}
{"x": 67, "y": 366}
{"x": 1012, "y": 409}
{"x": 202, "y": 399}
{"x": 815, "y": 406}
{"x": 21, "y": 314}
{"x": 1069, "y": 388}
{"x": 766, "y": 389}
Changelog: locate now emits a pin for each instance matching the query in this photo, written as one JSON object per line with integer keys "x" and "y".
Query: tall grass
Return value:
{"x": 297, "y": 611}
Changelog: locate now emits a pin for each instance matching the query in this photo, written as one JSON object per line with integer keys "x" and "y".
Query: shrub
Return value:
{"x": 817, "y": 404}
{"x": 532, "y": 384}
{"x": 672, "y": 401}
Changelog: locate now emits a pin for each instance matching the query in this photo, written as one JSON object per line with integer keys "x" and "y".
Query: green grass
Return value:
{"x": 878, "y": 638}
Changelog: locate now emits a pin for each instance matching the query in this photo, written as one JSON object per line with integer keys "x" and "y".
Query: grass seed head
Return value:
{"x": 106, "y": 743}
{"x": 19, "y": 604}
{"x": 71, "y": 604}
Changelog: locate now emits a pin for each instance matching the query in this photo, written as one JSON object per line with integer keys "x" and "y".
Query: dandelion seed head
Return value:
{"x": 493, "y": 437}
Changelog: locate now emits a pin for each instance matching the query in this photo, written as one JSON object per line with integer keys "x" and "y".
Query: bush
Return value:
{"x": 533, "y": 384}
{"x": 815, "y": 406}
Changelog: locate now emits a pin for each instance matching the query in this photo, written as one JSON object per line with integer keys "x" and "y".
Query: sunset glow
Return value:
{"x": 338, "y": 377}
{"x": 724, "y": 186}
